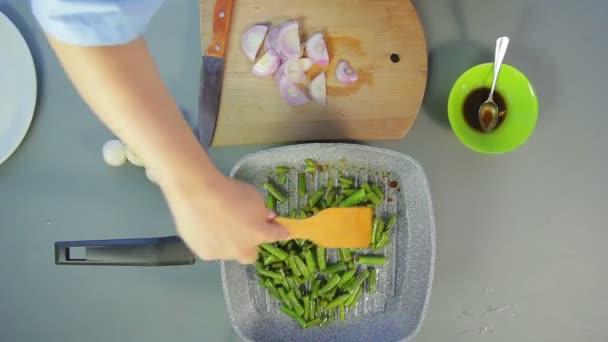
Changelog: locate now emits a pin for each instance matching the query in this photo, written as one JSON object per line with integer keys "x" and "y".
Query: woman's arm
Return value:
{"x": 219, "y": 218}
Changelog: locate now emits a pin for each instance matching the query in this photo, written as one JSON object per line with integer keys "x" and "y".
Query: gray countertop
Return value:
{"x": 520, "y": 237}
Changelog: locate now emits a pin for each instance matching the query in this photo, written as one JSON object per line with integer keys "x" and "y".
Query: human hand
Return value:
{"x": 222, "y": 218}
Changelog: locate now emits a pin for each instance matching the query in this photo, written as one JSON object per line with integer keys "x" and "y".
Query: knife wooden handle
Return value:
{"x": 221, "y": 27}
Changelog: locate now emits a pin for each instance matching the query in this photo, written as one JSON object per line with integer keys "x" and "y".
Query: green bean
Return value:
{"x": 356, "y": 298}
{"x": 378, "y": 192}
{"x": 311, "y": 308}
{"x": 330, "y": 195}
{"x": 337, "y": 301}
{"x": 315, "y": 211}
{"x": 314, "y": 289}
{"x": 276, "y": 193}
{"x": 391, "y": 222}
{"x": 350, "y": 265}
{"x": 312, "y": 201}
{"x": 344, "y": 185}
{"x": 306, "y": 304}
{"x": 375, "y": 225}
{"x": 301, "y": 266}
{"x": 293, "y": 315}
{"x": 284, "y": 298}
{"x": 300, "y": 280}
{"x": 346, "y": 277}
{"x": 345, "y": 180}
{"x": 348, "y": 192}
{"x": 270, "y": 274}
{"x": 302, "y": 184}
{"x": 271, "y": 202}
{"x": 277, "y": 281}
{"x": 371, "y": 196}
{"x": 358, "y": 281}
{"x": 371, "y": 259}
{"x": 297, "y": 306}
{"x": 319, "y": 309}
{"x": 379, "y": 230}
{"x": 281, "y": 254}
{"x": 346, "y": 256}
{"x": 325, "y": 322}
{"x": 331, "y": 294}
{"x": 331, "y": 283}
{"x": 271, "y": 288}
{"x": 311, "y": 162}
{"x": 312, "y": 323}
{"x": 334, "y": 268}
{"x": 310, "y": 169}
{"x": 293, "y": 285}
{"x": 366, "y": 187}
{"x": 302, "y": 214}
{"x": 331, "y": 183}
{"x": 271, "y": 259}
{"x": 338, "y": 200}
{"x": 353, "y": 199}
{"x": 342, "y": 312}
{"x": 321, "y": 258}
{"x": 281, "y": 169}
{"x": 351, "y": 296}
{"x": 371, "y": 281}
{"x": 383, "y": 241}
{"x": 282, "y": 179}
{"x": 310, "y": 261}
{"x": 292, "y": 213}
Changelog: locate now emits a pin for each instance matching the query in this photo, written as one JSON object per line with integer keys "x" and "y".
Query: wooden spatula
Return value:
{"x": 334, "y": 228}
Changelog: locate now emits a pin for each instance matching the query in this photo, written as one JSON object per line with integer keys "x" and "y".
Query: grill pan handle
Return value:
{"x": 161, "y": 251}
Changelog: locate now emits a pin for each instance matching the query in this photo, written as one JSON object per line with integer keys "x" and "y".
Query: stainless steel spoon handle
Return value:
{"x": 501, "y": 49}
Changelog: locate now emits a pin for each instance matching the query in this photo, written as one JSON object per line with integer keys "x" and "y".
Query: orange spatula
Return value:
{"x": 334, "y": 228}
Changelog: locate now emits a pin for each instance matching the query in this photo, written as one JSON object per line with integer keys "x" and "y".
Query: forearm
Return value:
{"x": 123, "y": 87}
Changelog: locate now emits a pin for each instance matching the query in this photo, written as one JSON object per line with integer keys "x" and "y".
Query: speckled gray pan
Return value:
{"x": 396, "y": 311}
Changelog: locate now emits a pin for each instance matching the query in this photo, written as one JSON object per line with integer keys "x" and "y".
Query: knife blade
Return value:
{"x": 212, "y": 72}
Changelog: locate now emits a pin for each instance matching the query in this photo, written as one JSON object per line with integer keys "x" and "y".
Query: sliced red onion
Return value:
{"x": 318, "y": 90}
{"x": 279, "y": 75}
{"x": 305, "y": 64}
{"x": 272, "y": 40}
{"x": 294, "y": 72}
{"x": 289, "y": 40}
{"x": 266, "y": 66}
{"x": 252, "y": 41}
{"x": 316, "y": 49}
{"x": 345, "y": 73}
{"x": 291, "y": 93}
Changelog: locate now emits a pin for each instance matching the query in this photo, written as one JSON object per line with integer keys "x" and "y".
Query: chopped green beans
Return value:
{"x": 281, "y": 169}
{"x": 330, "y": 195}
{"x": 379, "y": 230}
{"x": 271, "y": 288}
{"x": 311, "y": 162}
{"x": 358, "y": 281}
{"x": 338, "y": 200}
{"x": 284, "y": 298}
{"x": 342, "y": 312}
{"x": 371, "y": 281}
{"x": 391, "y": 222}
{"x": 345, "y": 254}
{"x": 301, "y": 266}
{"x": 281, "y": 254}
{"x": 365, "y": 186}
{"x": 353, "y": 199}
{"x": 310, "y": 262}
{"x": 302, "y": 184}
{"x": 348, "y": 192}
{"x": 306, "y": 304}
{"x": 271, "y": 259}
{"x": 336, "y": 302}
{"x": 297, "y": 306}
{"x": 321, "y": 258}
{"x": 270, "y": 274}
{"x": 331, "y": 183}
{"x": 331, "y": 283}
{"x": 357, "y": 296}
{"x": 351, "y": 297}
{"x": 371, "y": 196}
{"x": 276, "y": 193}
{"x": 375, "y": 225}
{"x": 282, "y": 179}
{"x": 315, "y": 288}
{"x": 312, "y": 323}
{"x": 293, "y": 315}
{"x": 382, "y": 242}
{"x": 312, "y": 201}
{"x": 371, "y": 259}
{"x": 346, "y": 277}
{"x": 378, "y": 192}
{"x": 292, "y": 213}
{"x": 271, "y": 203}
{"x": 334, "y": 268}
{"x": 345, "y": 180}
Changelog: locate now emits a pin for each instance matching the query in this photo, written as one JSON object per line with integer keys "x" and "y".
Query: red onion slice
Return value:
{"x": 266, "y": 66}
{"x": 316, "y": 49}
{"x": 318, "y": 90}
{"x": 252, "y": 41}
{"x": 294, "y": 72}
{"x": 289, "y": 40}
{"x": 305, "y": 64}
{"x": 345, "y": 73}
{"x": 291, "y": 93}
{"x": 272, "y": 41}
{"x": 279, "y": 75}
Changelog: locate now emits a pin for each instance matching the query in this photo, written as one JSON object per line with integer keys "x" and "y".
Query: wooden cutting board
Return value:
{"x": 370, "y": 34}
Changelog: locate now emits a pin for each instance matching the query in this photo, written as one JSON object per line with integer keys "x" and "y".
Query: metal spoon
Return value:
{"x": 488, "y": 111}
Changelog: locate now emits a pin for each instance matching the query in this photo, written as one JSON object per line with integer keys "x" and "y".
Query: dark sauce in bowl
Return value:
{"x": 475, "y": 99}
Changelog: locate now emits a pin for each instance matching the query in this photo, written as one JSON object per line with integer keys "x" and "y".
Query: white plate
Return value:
{"x": 17, "y": 88}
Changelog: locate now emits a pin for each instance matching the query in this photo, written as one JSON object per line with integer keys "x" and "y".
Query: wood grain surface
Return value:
{"x": 367, "y": 33}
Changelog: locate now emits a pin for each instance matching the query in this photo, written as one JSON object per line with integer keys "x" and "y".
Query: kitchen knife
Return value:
{"x": 212, "y": 72}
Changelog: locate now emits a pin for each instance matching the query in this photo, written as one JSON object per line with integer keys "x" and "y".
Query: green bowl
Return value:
{"x": 521, "y": 102}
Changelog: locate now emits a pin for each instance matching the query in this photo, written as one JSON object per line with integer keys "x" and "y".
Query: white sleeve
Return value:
{"x": 94, "y": 22}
